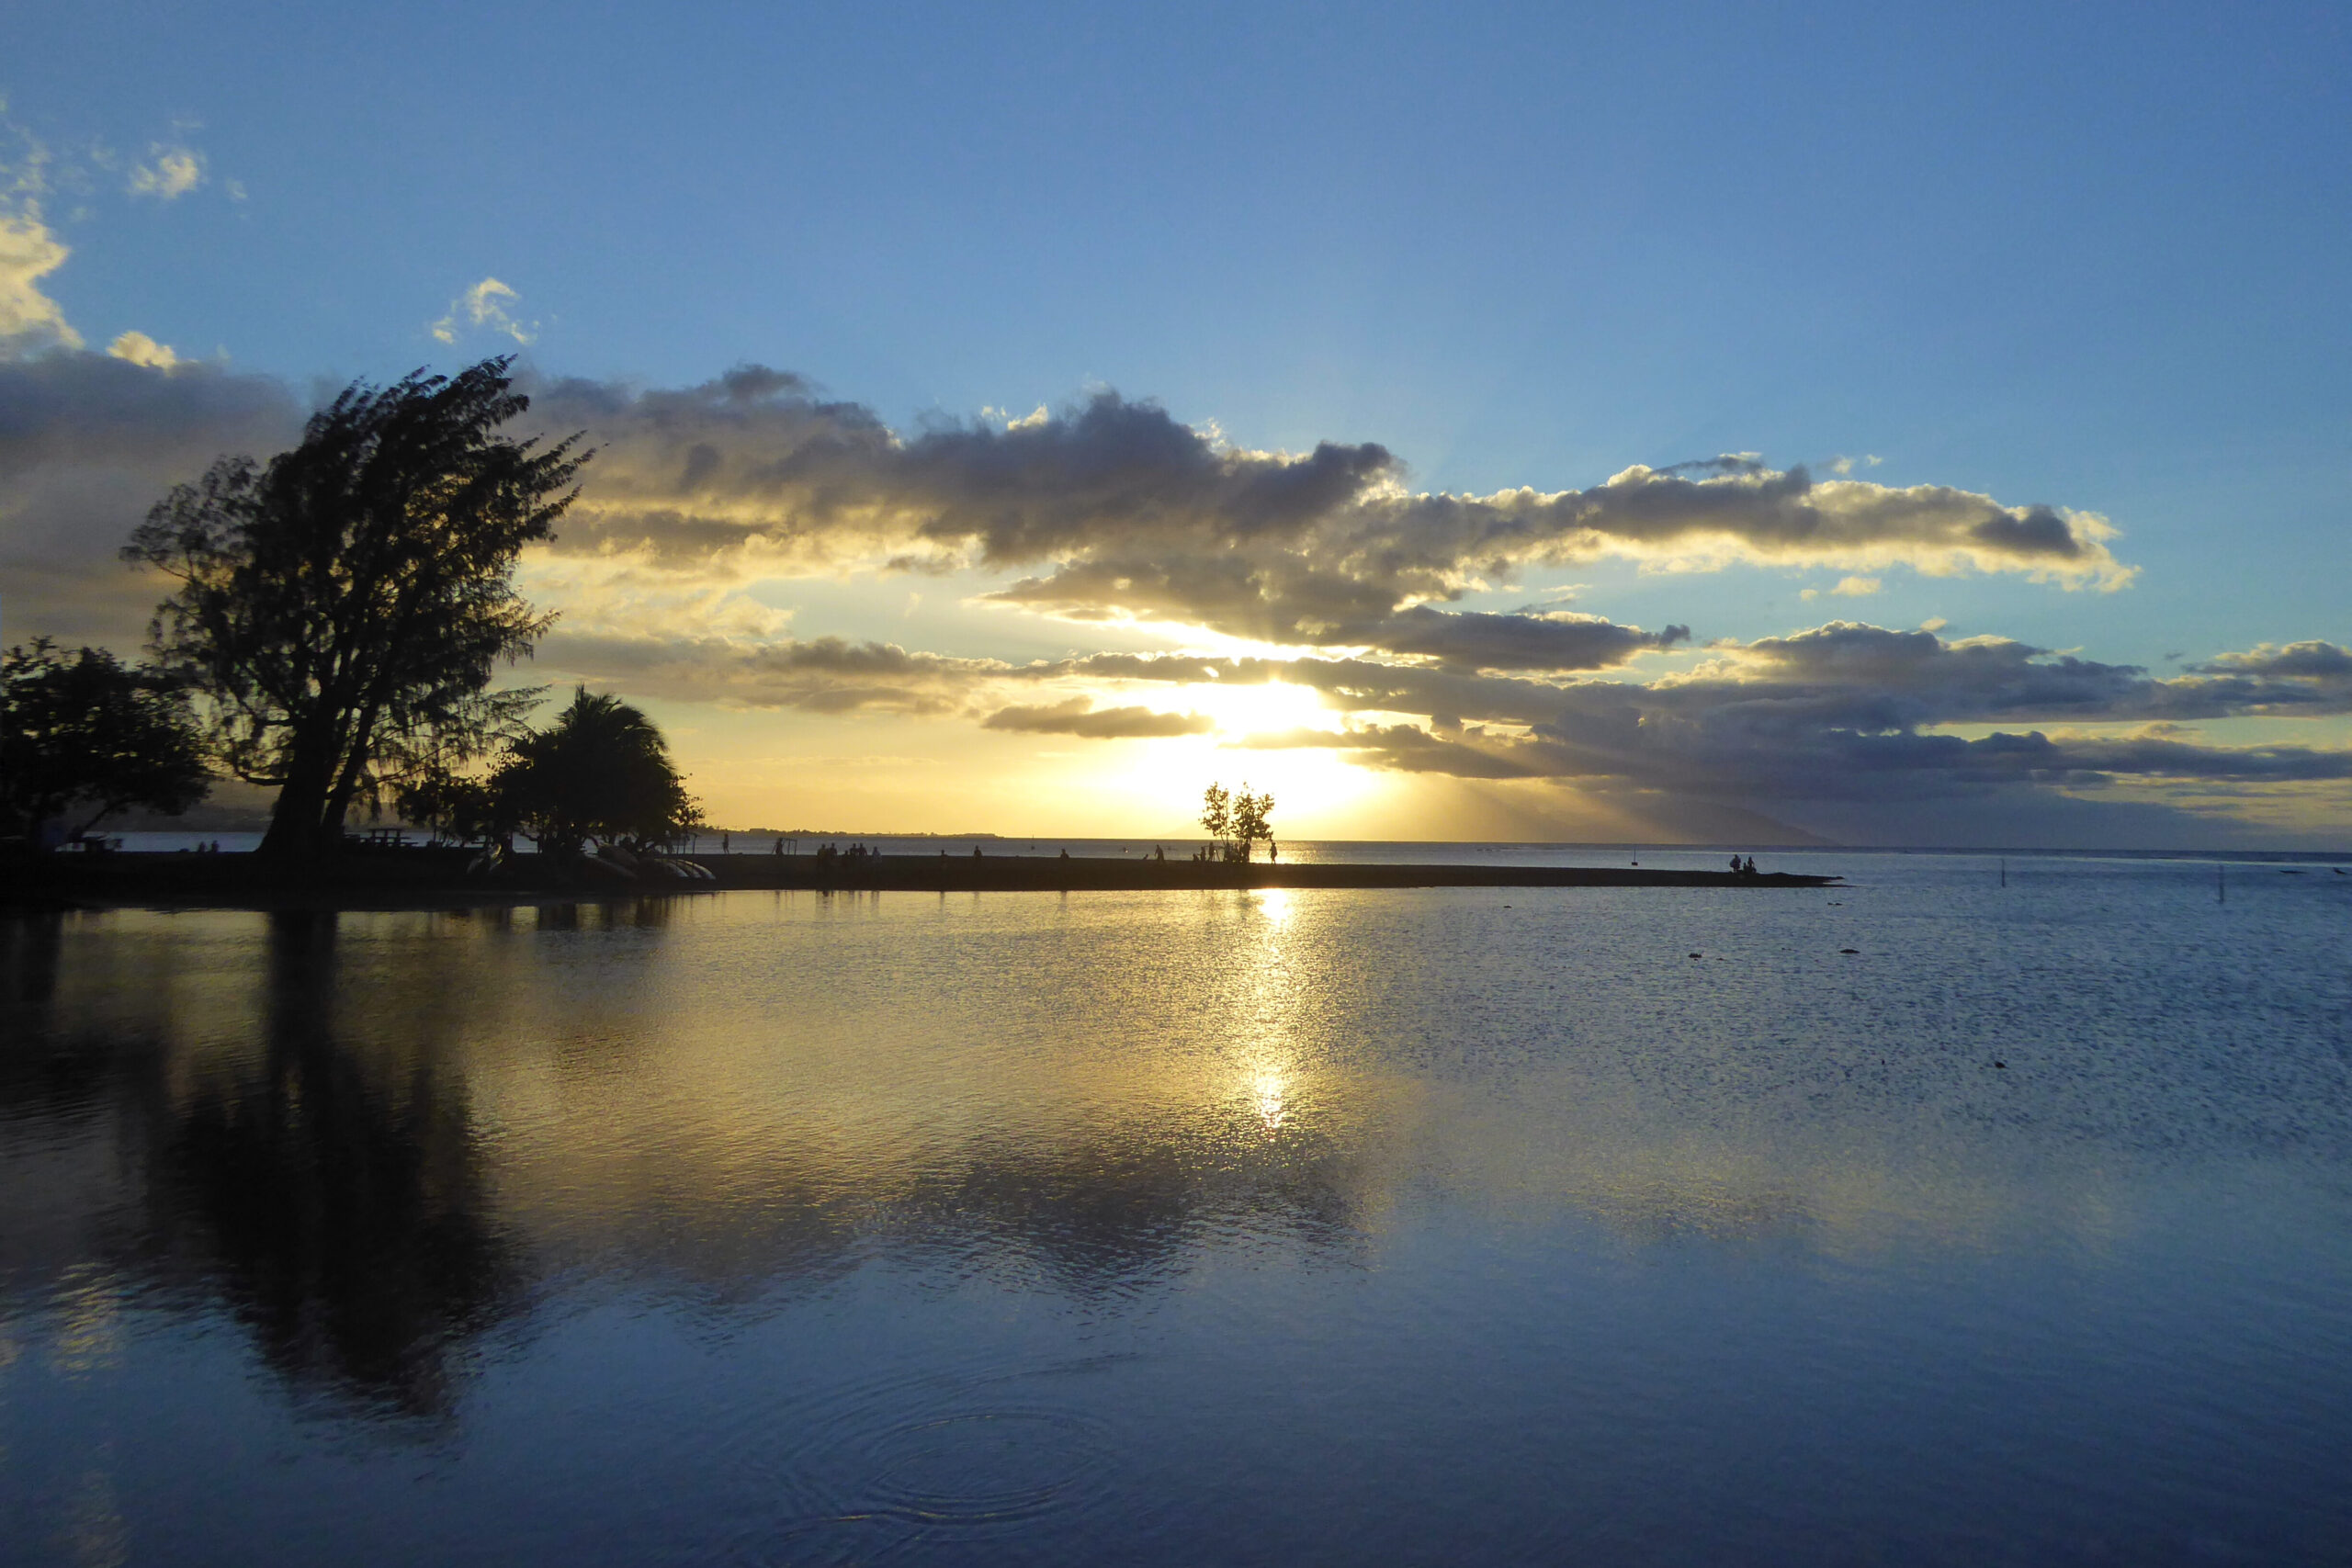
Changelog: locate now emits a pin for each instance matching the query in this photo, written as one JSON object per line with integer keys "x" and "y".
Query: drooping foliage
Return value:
{"x": 600, "y": 770}
{"x": 343, "y": 609}
{"x": 83, "y": 738}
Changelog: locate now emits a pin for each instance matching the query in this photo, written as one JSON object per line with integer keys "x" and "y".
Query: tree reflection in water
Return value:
{"x": 344, "y": 1216}
{"x": 298, "y": 1145}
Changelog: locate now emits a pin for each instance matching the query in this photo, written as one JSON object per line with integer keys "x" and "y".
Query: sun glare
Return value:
{"x": 1259, "y": 708}
{"x": 1266, "y": 1091}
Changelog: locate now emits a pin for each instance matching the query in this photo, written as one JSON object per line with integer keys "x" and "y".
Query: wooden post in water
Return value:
{"x": 2005, "y": 871}
{"x": 2220, "y": 883}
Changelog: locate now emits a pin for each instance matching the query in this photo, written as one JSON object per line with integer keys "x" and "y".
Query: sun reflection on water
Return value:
{"x": 1268, "y": 1093}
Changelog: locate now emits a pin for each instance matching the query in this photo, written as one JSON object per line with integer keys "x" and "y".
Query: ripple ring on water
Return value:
{"x": 984, "y": 1466}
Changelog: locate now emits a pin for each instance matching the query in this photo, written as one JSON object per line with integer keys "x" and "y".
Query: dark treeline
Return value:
{"x": 337, "y": 619}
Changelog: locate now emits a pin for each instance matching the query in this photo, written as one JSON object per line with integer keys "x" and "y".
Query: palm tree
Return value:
{"x": 602, "y": 770}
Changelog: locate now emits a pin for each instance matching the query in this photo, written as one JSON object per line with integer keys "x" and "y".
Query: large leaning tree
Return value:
{"x": 343, "y": 609}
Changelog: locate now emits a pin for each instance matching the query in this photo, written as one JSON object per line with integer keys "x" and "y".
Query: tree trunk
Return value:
{"x": 299, "y": 834}
{"x": 347, "y": 778}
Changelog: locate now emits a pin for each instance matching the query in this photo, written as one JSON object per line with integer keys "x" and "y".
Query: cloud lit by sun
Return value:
{"x": 1261, "y": 708}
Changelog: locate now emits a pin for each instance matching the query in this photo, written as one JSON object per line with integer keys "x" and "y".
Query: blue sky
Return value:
{"x": 2085, "y": 257}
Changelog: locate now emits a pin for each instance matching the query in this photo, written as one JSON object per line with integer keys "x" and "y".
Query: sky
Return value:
{"x": 1634, "y": 424}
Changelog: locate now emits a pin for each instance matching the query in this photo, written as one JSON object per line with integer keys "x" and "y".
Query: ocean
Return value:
{"x": 1984, "y": 1209}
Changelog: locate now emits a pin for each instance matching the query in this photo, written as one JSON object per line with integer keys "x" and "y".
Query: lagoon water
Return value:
{"x": 1616, "y": 1225}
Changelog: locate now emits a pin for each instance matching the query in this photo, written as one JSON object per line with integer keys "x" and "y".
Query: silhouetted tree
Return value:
{"x": 601, "y": 769}
{"x": 1236, "y": 820}
{"x": 81, "y": 735}
{"x": 1250, "y": 813}
{"x": 343, "y": 609}
{"x": 453, "y": 804}
{"x": 1216, "y": 812}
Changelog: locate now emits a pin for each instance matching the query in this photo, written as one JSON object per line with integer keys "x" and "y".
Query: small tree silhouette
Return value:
{"x": 1249, "y": 818}
{"x": 1216, "y": 812}
{"x": 1235, "y": 821}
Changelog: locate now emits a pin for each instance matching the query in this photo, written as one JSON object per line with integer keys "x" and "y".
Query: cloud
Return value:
{"x": 2323, "y": 663}
{"x": 88, "y": 442}
{"x": 1854, "y": 712}
{"x": 1080, "y": 717}
{"x": 1409, "y": 748}
{"x": 1113, "y": 511}
{"x": 169, "y": 173}
{"x": 1849, "y": 588}
{"x": 484, "y": 305}
{"x": 31, "y": 321}
{"x": 140, "y": 349}
{"x": 1845, "y": 727}
{"x": 826, "y": 675}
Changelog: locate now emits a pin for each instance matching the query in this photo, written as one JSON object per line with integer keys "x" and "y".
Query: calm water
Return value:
{"x": 1395, "y": 1226}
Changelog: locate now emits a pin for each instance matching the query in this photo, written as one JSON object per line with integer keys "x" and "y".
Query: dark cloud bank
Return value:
{"x": 1115, "y": 511}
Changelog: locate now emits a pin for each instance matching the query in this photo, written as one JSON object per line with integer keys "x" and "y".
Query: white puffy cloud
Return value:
{"x": 140, "y": 349}
{"x": 1847, "y": 588}
{"x": 169, "y": 171}
{"x": 484, "y": 305}
{"x": 31, "y": 321}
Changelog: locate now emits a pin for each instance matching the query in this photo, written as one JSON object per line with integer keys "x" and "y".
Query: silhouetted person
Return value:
{"x": 1734, "y": 866}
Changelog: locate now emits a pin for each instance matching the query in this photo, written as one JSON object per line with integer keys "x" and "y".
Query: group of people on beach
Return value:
{"x": 1743, "y": 868}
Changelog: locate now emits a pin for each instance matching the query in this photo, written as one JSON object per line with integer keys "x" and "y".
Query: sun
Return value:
{"x": 1263, "y": 708}
{"x": 1316, "y": 788}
